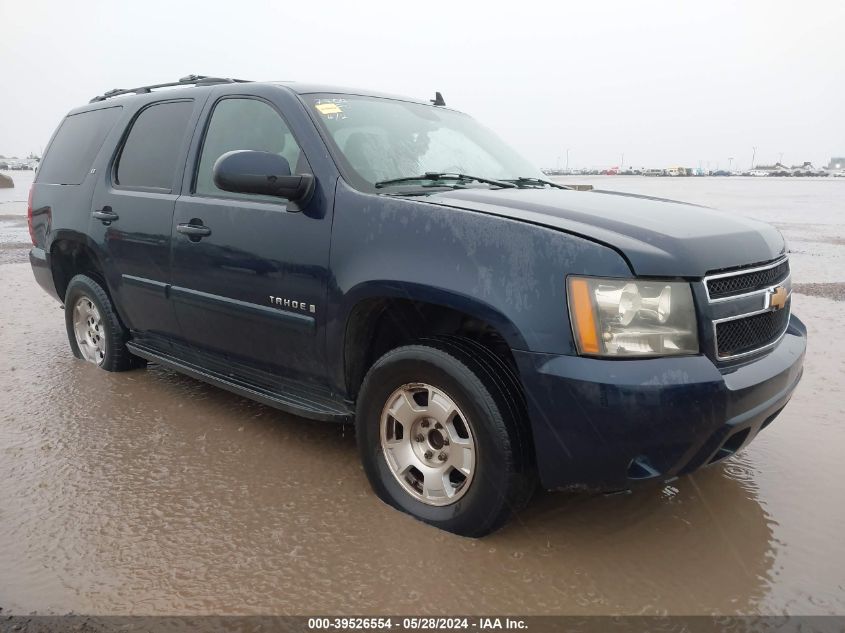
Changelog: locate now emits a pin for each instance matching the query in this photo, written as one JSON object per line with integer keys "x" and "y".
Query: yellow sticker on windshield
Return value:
{"x": 328, "y": 108}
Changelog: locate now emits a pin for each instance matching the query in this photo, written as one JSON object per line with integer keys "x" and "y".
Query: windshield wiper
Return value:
{"x": 524, "y": 180}
{"x": 438, "y": 175}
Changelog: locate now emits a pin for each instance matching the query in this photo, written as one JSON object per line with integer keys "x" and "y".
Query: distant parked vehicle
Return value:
{"x": 721, "y": 172}
{"x": 653, "y": 172}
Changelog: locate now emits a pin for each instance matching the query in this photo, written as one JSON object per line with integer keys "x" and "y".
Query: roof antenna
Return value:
{"x": 438, "y": 99}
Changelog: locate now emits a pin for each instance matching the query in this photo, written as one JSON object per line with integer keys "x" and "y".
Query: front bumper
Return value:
{"x": 610, "y": 424}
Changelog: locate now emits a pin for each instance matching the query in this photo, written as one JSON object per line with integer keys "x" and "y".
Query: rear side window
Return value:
{"x": 149, "y": 155}
{"x": 75, "y": 146}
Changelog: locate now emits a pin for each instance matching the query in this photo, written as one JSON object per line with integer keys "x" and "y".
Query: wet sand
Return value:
{"x": 151, "y": 493}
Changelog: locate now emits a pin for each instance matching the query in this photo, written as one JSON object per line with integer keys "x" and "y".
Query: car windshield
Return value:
{"x": 378, "y": 139}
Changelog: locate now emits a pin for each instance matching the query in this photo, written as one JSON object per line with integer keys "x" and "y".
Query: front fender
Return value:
{"x": 435, "y": 295}
{"x": 508, "y": 273}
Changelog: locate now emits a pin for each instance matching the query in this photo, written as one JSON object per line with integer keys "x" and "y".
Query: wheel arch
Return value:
{"x": 378, "y": 316}
{"x": 73, "y": 253}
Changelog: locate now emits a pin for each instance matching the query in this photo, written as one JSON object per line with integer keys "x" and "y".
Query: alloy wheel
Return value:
{"x": 89, "y": 331}
{"x": 428, "y": 444}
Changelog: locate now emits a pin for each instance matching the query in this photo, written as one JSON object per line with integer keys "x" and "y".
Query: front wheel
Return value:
{"x": 442, "y": 434}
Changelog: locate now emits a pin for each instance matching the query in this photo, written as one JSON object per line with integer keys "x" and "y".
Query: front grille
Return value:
{"x": 740, "y": 283}
{"x": 747, "y": 334}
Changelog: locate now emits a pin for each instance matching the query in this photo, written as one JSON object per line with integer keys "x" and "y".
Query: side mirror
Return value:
{"x": 264, "y": 173}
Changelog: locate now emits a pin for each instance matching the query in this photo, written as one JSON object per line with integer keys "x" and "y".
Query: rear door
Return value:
{"x": 249, "y": 294}
{"x": 132, "y": 213}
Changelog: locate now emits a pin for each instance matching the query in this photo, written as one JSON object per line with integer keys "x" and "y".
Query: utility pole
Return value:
{"x": 730, "y": 160}
{"x": 753, "y": 156}
{"x": 622, "y": 164}
{"x": 780, "y": 159}
{"x": 567, "y": 159}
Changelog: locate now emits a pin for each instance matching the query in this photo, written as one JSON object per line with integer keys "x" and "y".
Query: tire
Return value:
{"x": 94, "y": 331}
{"x": 401, "y": 401}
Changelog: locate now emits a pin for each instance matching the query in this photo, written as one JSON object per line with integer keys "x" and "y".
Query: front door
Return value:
{"x": 249, "y": 276}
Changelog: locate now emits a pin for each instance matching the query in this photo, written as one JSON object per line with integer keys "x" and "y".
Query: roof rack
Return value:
{"x": 190, "y": 80}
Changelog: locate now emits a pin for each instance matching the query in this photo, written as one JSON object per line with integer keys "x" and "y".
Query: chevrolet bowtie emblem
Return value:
{"x": 777, "y": 297}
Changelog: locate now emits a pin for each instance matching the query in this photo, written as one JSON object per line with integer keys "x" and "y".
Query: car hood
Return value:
{"x": 658, "y": 237}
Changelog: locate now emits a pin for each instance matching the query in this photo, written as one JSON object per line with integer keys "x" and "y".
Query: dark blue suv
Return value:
{"x": 349, "y": 256}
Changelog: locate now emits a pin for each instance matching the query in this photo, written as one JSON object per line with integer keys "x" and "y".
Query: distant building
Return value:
{"x": 768, "y": 170}
{"x": 683, "y": 171}
{"x": 837, "y": 163}
{"x": 807, "y": 169}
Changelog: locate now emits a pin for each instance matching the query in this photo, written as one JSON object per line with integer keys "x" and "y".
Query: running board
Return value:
{"x": 293, "y": 401}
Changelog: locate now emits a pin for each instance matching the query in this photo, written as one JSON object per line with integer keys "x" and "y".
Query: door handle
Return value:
{"x": 105, "y": 215}
{"x": 195, "y": 231}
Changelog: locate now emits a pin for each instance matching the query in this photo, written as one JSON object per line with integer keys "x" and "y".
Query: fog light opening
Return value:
{"x": 641, "y": 468}
{"x": 771, "y": 419}
{"x": 731, "y": 445}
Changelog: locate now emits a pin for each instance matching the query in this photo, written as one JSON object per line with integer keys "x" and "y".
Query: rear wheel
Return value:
{"x": 94, "y": 331}
{"x": 442, "y": 436}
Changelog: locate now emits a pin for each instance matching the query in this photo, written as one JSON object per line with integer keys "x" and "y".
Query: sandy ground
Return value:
{"x": 151, "y": 493}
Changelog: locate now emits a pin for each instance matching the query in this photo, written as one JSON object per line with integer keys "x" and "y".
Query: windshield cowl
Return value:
{"x": 444, "y": 178}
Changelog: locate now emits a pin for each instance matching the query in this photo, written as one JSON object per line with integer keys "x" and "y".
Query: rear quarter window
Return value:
{"x": 152, "y": 148}
{"x": 75, "y": 146}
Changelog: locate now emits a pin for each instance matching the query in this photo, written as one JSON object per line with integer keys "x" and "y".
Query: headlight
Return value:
{"x": 625, "y": 317}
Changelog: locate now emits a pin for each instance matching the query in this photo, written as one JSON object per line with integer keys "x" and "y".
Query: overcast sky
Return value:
{"x": 665, "y": 83}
